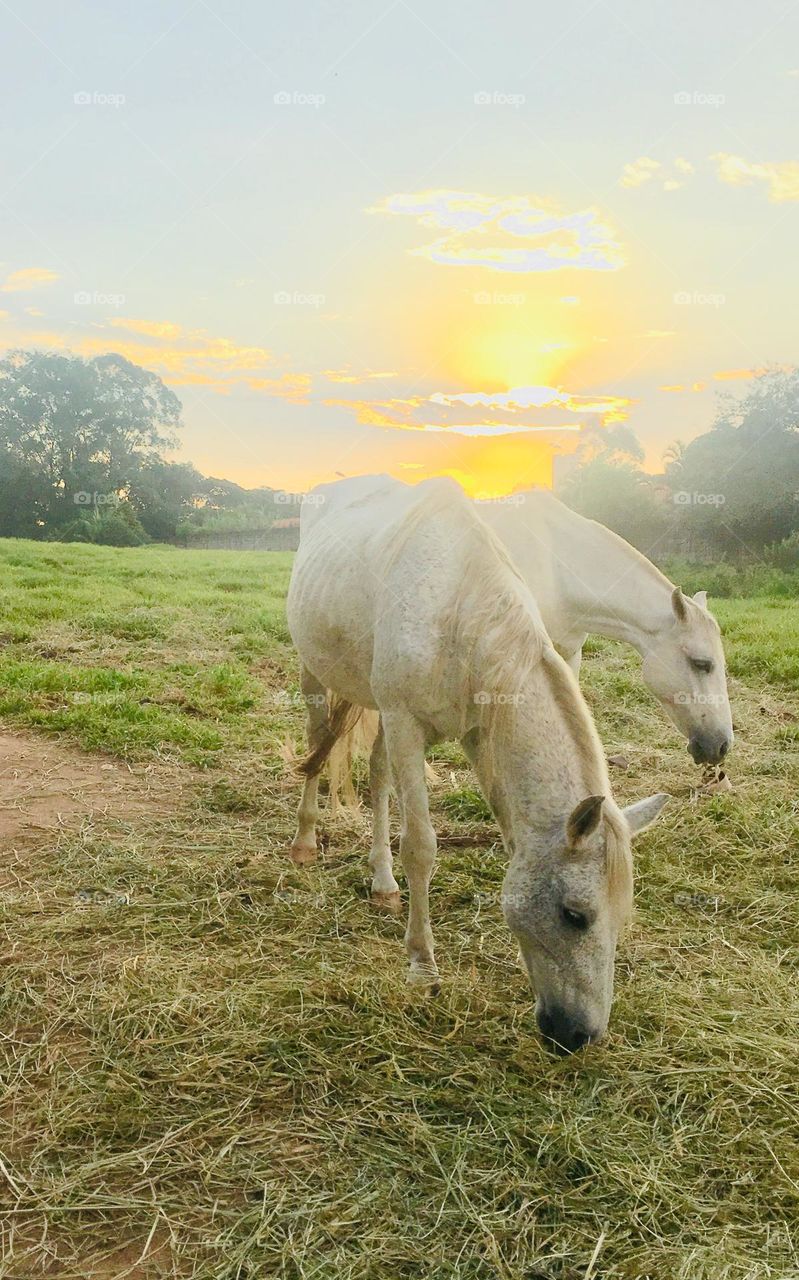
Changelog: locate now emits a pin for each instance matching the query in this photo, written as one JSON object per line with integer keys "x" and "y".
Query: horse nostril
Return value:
{"x": 723, "y": 749}
{"x": 561, "y": 1033}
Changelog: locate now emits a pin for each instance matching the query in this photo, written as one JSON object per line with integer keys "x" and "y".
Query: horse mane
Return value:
{"x": 595, "y": 774}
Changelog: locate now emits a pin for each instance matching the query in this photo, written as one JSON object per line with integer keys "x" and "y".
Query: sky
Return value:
{"x": 428, "y": 238}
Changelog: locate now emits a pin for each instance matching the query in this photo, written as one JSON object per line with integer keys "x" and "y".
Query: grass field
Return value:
{"x": 211, "y": 1065}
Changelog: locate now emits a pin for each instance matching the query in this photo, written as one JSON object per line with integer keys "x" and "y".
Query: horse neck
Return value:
{"x": 607, "y": 584}
{"x": 547, "y": 761}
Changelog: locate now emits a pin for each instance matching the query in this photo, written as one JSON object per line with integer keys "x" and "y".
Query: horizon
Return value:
{"x": 580, "y": 218}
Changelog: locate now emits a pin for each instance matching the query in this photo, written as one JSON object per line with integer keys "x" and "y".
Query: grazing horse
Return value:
{"x": 587, "y": 579}
{"x": 402, "y": 600}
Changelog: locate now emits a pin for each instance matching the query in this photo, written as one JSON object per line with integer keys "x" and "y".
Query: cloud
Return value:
{"x": 346, "y": 375}
{"x": 671, "y": 176}
{"x": 28, "y": 278}
{"x": 184, "y": 357}
{"x": 507, "y": 233}
{"x": 684, "y": 386}
{"x": 610, "y": 408}
{"x": 150, "y": 328}
{"x": 480, "y": 413}
{"x": 294, "y": 387}
{"x": 782, "y": 179}
{"x": 639, "y": 171}
{"x": 735, "y": 375}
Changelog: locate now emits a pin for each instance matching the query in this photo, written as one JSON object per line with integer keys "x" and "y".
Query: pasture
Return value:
{"x": 211, "y": 1064}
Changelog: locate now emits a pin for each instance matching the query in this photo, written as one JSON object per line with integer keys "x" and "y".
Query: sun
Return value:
{"x": 521, "y": 350}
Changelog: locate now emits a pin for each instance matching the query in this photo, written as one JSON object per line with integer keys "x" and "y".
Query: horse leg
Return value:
{"x": 574, "y": 662}
{"x": 385, "y": 890}
{"x": 303, "y": 846}
{"x": 405, "y": 745}
{"x": 572, "y": 653}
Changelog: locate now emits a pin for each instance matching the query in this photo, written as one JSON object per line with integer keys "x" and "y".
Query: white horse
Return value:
{"x": 587, "y": 579}
{"x": 403, "y": 600}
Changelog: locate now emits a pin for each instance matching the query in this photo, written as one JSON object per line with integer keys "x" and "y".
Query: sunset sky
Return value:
{"x": 439, "y": 238}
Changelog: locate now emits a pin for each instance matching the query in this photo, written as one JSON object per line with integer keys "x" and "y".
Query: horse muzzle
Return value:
{"x": 562, "y": 1032}
{"x": 709, "y": 748}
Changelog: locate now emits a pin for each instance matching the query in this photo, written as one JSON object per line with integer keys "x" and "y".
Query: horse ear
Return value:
{"x": 584, "y": 819}
{"x": 643, "y": 813}
{"x": 701, "y": 598}
{"x": 679, "y": 605}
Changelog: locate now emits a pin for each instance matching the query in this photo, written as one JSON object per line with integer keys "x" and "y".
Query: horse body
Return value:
{"x": 402, "y": 600}
{"x": 584, "y": 578}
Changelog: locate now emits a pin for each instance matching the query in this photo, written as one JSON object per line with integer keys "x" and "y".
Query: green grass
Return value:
{"x": 232, "y": 1060}
{"x": 129, "y": 653}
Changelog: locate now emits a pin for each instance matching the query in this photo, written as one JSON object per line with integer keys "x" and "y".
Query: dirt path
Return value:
{"x": 48, "y": 787}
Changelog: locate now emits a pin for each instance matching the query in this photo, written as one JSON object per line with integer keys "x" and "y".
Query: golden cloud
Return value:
{"x": 507, "y": 233}
{"x": 475, "y": 413}
{"x": 734, "y": 375}
{"x": 28, "y": 278}
{"x": 346, "y": 375}
{"x": 782, "y": 179}
{"x": 184, "y": 357}
{"x": 150, "y": 328}
{"x": 291, "y": 386}
{"x": 672, "y": 175}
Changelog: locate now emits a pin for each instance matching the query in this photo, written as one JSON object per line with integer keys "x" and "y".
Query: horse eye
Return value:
{"x": 574, "y": 919}
{"x": 701, "y": 664}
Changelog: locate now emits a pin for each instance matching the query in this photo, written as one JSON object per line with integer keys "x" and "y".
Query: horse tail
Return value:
{"x": 341, "y": 717}
{"x": 357, "y": 740}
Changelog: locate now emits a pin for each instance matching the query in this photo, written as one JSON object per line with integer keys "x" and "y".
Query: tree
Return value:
{"x": 673, "y": 455}
{"x": 619, "y": 495}
{"x": 74, "y": 428}
{"x": 164, "y": 493}
{"x": 739, "y": 482}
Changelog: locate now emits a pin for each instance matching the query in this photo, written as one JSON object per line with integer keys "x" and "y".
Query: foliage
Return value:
{"x": 78, "y": 436}
{"x": 620, "y": 496}
{"x": 76, "y": 431}
{"x": 785, "y": 554}
{"x": 731, "y": 494}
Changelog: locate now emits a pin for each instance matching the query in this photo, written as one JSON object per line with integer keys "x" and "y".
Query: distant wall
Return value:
{"x": 242, "y": 540}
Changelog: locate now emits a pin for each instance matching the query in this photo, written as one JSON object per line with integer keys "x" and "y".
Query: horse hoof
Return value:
{"x": 302, "y": 855}
{"x": 425, "y": 979}
{"x": 390, "y": 902}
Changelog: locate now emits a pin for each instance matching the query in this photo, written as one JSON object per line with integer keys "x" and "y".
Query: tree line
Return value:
{"x": 83, "y": 444}
{"x": 731, "y": 495}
